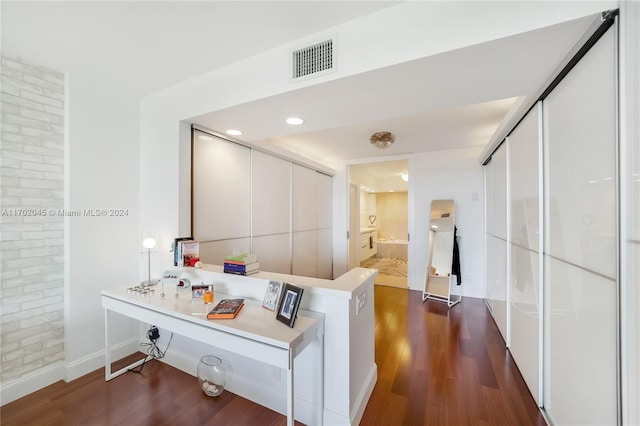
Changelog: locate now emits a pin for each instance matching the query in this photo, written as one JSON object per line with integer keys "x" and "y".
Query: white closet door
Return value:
{"x": 497, "y": 281}
{"x": 213, "y": 252}
{"x": 525, "y": 318}
{"x": 271, "y": 180}
{"x": 221, "y": 189}
{"x": 580, "y": 241}
{"x": 582, "y": 346}
{"x": 325, "y": 246}
{"x": 271, "y": 214}
{"x": 580, "y": 122}
{"x": 499, "y": 193}
{"x": 305, "y": 253}
{"x": 524, "y": 187}
{"x": 274, "y": 252}
{"x": 305, "y": 221}
{"x": 488, "y": 188}
{"x": 304, "y": 198}
{"x": 497, "y": 238}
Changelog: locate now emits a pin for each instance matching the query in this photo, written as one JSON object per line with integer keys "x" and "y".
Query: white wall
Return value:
{"x": 456, "y": 175}
{"x": 103, "y": 163}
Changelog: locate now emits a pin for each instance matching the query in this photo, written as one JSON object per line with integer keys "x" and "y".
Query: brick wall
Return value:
{"x": 32, "y": 224}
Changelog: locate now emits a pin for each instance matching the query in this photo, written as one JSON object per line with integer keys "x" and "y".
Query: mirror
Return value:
{"x": 441, "y": 248}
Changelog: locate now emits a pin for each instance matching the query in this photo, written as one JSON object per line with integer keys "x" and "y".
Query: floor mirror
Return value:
{"x": 440, "y": 273}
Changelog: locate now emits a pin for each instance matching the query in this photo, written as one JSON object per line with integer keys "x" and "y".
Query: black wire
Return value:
{"x": 153, "y": 352}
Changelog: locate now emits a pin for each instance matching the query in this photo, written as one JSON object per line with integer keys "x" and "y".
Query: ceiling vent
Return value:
{"x": 313, "y": 60}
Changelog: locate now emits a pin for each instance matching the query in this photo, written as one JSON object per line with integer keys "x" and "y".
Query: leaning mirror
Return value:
{"x": 440, "y": 257}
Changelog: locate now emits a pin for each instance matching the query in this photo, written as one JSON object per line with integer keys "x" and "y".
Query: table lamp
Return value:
{"x": 149, "y": 243}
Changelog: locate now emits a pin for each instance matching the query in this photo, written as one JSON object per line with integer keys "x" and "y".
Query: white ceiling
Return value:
{"x": 139, "y": 47}
{"x": 452, "y": 100}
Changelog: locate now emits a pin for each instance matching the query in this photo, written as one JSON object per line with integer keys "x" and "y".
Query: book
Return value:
{"x": 242, "y": 258}
{"x": 177, "y": 250}
{"x": 242, "y": 267}
{"x": 226, "y": 309}
{"x": 190, "y": 252}
{"x": 235, "y": 262}
{"x": 241, "y": 273}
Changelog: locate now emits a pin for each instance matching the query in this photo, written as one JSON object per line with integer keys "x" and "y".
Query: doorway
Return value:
{"x": 378, "y": 212}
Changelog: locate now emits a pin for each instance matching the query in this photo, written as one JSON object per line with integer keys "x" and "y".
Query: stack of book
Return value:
{"x": 186, "y": 251}
{"x": 241, "y": 264}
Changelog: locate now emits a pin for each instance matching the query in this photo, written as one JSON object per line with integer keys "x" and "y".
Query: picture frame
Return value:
{"x": 272, "y": 295}
{"x": 289, "y": 304}
{"x": 197, "y": 291}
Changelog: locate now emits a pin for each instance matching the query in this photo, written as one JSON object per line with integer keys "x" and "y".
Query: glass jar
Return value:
{"x": 211, "y": 375}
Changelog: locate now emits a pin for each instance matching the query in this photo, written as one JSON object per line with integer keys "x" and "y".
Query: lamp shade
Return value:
{"x": 149, "y": 243}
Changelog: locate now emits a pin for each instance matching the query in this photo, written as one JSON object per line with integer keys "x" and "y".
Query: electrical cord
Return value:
{"x": 153, "y": 351}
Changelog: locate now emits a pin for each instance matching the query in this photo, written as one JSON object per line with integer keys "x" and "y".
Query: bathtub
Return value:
{"x": 395, "y": 249}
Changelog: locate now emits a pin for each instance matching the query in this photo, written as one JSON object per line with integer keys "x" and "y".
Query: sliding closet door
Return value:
{"x": 525, "y": 145}
{"x": 305, "y": 221}
{"x": 271, "y": 212}
{"x": 325, "y": 224}
{"x": 221, "y": 197}
{"x": 580, "y": 242}
{"x": 497, "y": 238}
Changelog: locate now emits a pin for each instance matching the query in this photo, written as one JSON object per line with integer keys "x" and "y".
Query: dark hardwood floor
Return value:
{"x": 440, "y": 366}
{"x": 435, "y": 367}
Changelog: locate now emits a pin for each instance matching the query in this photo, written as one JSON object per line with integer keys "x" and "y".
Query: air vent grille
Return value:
{"x": 313, "y": 59}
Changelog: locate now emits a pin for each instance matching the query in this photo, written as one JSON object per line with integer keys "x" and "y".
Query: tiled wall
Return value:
{"x": 392, "y": 212}
{"x": 32, "y": 223}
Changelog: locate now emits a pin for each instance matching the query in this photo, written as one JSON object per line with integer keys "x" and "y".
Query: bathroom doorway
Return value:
{"x": 382, "y": 231}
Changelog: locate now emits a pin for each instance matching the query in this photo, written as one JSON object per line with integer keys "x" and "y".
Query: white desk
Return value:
{"x": 254, "y": 333}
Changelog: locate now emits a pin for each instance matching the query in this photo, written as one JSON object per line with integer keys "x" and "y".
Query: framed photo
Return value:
{"x": 289, "y": 303}
{"x": 271, "y": 295}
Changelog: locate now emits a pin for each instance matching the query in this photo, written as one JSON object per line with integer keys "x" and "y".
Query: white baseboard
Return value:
{"x": 363, "y": 396}
{"x": 334, "y": 419}
{"x": 43, "y": 377}
{"x": 36, "y": 380}
{"x": 92, "y": 362}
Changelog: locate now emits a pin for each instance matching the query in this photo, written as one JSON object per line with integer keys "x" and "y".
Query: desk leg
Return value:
{"x": 290, "y": 395}
{"x": 107, "y": 347}
{"x": 107, "y": 353}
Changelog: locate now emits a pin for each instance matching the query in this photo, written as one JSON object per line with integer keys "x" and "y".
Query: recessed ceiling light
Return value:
{"x": 434, "y": 226}
{"x": 234, "y": 132}
{"x": 294, "y": 121}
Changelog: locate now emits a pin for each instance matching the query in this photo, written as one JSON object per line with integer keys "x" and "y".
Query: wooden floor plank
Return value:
{"x": 436, "y": 366}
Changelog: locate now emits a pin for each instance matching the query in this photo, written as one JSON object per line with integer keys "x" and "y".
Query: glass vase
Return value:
{"x": 211, "y": 375}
